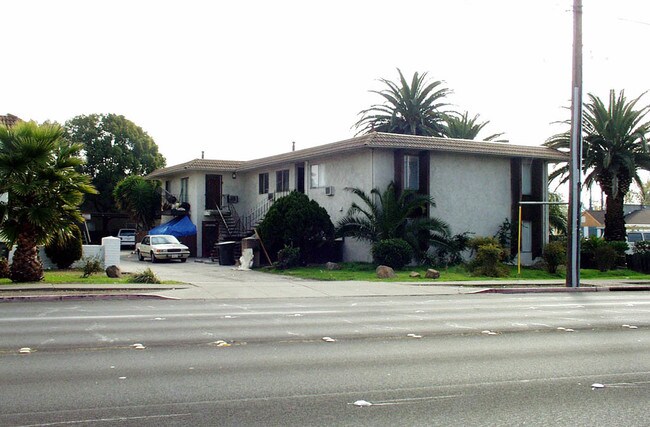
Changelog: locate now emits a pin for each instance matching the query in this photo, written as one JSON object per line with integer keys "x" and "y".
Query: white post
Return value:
{"x": 111, "y": 247}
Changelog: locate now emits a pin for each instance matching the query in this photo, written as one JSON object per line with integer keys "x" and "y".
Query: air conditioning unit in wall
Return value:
{"x": 329, "y": 191}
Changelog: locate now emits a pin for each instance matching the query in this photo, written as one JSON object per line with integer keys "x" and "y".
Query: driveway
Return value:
{"x": 206, "y": 280}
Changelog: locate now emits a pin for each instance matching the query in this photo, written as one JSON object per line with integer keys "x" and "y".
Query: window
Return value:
{"x": 411, "y": 173}
{"x": 526, "y": 177}
{"x": 184, "y": 183}
{"x": 526, "y": 236}
{"x": 282, "y": 181}
{"x": 264, "y": 183}
{"x": 168, "y": 186}
{"x": 317, "y": 176}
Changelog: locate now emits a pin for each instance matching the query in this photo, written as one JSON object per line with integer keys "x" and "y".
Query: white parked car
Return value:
{"x": 161, "y": 246}
{"x": 127, "y": 237}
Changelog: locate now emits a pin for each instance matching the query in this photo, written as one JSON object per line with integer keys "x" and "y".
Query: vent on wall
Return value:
{"x": 329, "y": 191}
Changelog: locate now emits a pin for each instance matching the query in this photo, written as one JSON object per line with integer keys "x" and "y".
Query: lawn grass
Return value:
{"x": 75, "y": 276}
{"x": 366, "y": 272}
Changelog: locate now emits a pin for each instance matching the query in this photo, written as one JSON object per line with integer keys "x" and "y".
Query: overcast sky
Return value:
{"x": 243, "y": 79}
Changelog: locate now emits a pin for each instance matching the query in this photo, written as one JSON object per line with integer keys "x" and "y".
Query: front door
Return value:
{"x": 210, "y": 236}
{"x": 300, "y": 177}
{"x": 212, "y": 191}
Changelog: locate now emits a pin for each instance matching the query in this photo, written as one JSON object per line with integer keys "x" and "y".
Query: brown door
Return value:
{"x": 210, "y": 233}
{"x": 212, "y": 191}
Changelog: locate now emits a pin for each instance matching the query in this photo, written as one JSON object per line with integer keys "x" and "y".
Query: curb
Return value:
{"x": 82, "y": 297}
{"x": 563, "y": 290}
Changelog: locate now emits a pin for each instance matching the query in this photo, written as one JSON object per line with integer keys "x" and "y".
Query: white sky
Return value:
{"x": 243, "y": 79}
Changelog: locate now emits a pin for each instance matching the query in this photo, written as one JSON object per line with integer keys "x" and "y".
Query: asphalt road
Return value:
{"x": 481, "y": 360}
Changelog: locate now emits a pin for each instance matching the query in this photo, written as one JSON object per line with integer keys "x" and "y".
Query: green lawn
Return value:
{"x": 366, "y": 272}
{"x": 74, "y": 276}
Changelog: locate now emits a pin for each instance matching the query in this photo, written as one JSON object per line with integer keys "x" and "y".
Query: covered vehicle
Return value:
{"x": 161, "y": 246}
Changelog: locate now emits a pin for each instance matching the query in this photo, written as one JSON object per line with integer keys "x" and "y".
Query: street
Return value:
{"x": 445, "y": 360}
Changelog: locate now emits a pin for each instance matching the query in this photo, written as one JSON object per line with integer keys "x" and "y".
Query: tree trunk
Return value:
{"x": 614, "y": 215}
{"x": 26, "y": 265}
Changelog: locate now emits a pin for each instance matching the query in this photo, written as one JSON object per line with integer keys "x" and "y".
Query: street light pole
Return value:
{"x": 573, "y": 267}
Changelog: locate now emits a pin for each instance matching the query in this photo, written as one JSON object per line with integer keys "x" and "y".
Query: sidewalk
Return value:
{"x": 201, "y": 280}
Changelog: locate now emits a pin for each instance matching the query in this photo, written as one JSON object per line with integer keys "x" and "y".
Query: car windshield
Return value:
{"x": 162, "y": 240}
{"x": 127, "y": 233}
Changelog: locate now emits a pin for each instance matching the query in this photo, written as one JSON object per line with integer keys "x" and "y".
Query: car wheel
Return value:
{"x": 140, "y": 257}
{"x": 153, "y": 258}
{"x": 183, "y": 259}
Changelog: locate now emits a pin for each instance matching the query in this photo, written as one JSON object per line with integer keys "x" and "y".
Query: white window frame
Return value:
{"x": 185, "y": 184}
{"x": 317, "y": 176}
{"x": 526, "y": 236}
{"x": 527, "y": 177}
{"x": 411, "y": 177}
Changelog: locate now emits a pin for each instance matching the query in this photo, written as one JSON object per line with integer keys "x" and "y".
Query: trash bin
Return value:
{"x": 226, "y": 253}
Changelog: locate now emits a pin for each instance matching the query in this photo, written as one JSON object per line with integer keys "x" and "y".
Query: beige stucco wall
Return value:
{"x": 472, "y": 193}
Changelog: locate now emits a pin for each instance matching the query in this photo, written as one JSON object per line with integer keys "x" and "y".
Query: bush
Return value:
{"x": 488, "y": 261}
{"x": 451, "y": 253}
{"x": 590, "y": 246}
{"x": 395, "y": 253}
{"x": 92, "y": 265}
{"x": 554, "y": 255}
{"x": 605, "y": 257}
{"x": 288, "y": 257}
{"x": 299, "y": 222}
{"x": 5, "y": 272}
{"x": 65, "y": 250}
{"x": 642, "y": 247}
{"x": 147, "y": 276}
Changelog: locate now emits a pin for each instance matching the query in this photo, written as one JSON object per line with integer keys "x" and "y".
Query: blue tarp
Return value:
{"x": 178, "y": 227}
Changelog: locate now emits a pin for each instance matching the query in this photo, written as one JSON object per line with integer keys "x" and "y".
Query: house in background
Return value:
{"x": 476, "y": 185}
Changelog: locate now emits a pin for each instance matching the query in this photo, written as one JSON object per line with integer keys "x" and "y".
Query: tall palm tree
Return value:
{"x": 37, "y": 172}
{"x": 614, "y": 149}
{"x": 460, "y": 126}
{"x": 388, "y": 215}
{"x": 408, "y": 109}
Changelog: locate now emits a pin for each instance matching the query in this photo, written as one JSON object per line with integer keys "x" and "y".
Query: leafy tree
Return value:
{"x": 389, "y": 215}
{"x": 140, "y": 198}
{"x": 114, "y": 148}
{"x": 614, "y": 149}
{"x": 557, "y": 215}
{"x": 408, "y": 109}
{"x": 642, "y": 196}
{"x": 38, "y": 172}
{"x": 296, "y": 221}
{"x": 460, "y": 126}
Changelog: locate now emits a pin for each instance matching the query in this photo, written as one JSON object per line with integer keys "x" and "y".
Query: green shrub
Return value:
{"x": 488, "y": 261}
{"x": 589, "y": 247}
{"x": 605, "y": 257}
{"x": 5, "y": 272}
{"x": 451, "y": 252}
{"x": 92, "y": 265}
{"x": 295, "y": 220}
{"x": 147, "y": 276}
{"x": 65, "y": 250}
{"x": 642, "y": 247}
{"x": 288, "y": 257}
{"x": 554, "y": 255}
{"x": 477, "y": 242}
{"x": 395, "y": 253}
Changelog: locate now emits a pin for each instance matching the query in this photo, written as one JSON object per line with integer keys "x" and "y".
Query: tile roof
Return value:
{"x": 376, "y": 140}
{"x": 641, "y": 216}
{"x": 198, "y": 165}
{"x": 9, "y": 120}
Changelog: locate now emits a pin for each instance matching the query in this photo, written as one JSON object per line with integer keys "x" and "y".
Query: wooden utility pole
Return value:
{"x": 573, "y": 250}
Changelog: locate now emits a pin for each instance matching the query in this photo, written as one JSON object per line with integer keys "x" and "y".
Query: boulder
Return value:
{"x": 113, "y": 271}
{"x": 332, "y": 266}
{"x": 432, "y": 274}
{"x": 385, "y": 272}
{"x": 414, "y": 274}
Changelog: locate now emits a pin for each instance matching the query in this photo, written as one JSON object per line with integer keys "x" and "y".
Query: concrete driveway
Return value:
{"x": 206, "y": 280}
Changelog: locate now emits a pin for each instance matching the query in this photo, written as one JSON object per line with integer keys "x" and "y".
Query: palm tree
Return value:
{"x": 140, "y": 198}
{"x": 413, "y": 110}
{"x": 37, "y": 172}
{"x": 557, "y": 214}
{"x": 614, "y": 149}
{"x": 460, "y": 126}
{"x": 388, "y": 215}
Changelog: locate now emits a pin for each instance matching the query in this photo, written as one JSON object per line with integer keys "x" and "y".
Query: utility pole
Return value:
{"x": 573, "y": 267}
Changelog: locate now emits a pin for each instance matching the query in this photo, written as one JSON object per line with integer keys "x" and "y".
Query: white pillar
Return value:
{"x": 111, "y": 247}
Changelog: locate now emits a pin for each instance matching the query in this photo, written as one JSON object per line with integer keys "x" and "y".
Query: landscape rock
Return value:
{"x": 113, "y": 271}
{"x": 332, "y": 266}
{"x": 414, "y": 274}
{"x": 432, "y": 274}
{"x": 385, "y": 272}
